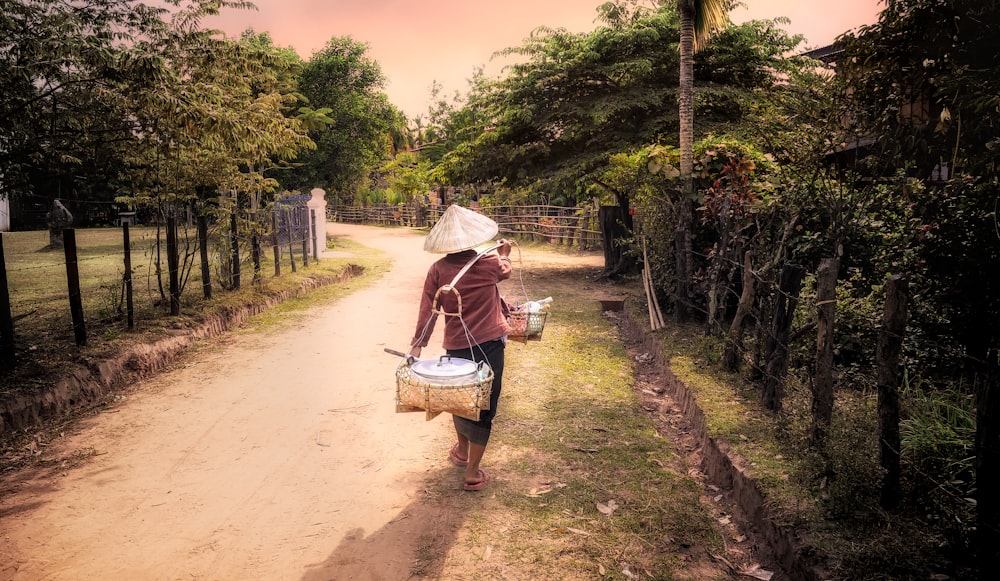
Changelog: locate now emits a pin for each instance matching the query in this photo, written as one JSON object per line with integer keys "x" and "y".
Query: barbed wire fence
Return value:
{"x": 108, "y": 279}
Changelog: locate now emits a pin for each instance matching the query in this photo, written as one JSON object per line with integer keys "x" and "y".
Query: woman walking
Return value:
{"x": 481, "y": 331}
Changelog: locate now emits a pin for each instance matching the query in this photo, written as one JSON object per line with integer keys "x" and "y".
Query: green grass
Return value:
{"x": 44, "y": 336}
{"x": 572, "y": 437}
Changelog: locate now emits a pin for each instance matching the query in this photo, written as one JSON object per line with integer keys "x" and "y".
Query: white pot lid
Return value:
{"x": 446, "y": 367}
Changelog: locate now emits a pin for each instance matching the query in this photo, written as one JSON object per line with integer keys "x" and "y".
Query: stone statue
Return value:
{"x": 57, "y": 219}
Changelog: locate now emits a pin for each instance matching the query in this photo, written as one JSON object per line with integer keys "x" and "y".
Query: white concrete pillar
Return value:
{"x": 317, "y": 206}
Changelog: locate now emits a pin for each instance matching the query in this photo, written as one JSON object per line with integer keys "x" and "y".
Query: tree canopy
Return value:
{"x": 552, "y": 123}
{"x": 346, "y": 84}
{"x": 63, "y": 67}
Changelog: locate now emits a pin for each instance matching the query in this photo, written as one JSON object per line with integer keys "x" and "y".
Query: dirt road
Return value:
{"x": 262, "y": 459}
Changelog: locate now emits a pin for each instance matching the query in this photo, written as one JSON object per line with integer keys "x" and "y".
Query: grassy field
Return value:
{"x": 37, "y": 282}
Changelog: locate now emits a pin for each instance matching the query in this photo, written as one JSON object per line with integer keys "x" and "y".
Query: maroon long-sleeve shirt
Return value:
{"x": 481, "y": 302}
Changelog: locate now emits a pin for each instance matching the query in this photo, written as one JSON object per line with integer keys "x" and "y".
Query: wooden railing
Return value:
{"x": 571, "y": 227}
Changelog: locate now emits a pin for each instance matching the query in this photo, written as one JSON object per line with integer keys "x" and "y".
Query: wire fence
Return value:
{"x": 95, "y": 282}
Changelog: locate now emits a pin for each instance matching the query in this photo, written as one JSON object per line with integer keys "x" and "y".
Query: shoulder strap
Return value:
{"x": 464, "y": 270}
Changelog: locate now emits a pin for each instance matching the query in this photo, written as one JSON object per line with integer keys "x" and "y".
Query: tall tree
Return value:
{"x": 210, "y": 120}
{"x": 698, "y": 20}
{"x": 344, "y": 81}
{"x": 550, "y": 126}
{"x": 64, "y": 68}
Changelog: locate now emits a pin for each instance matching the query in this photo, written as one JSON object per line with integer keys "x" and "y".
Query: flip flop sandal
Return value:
{"x": 484, "y": 479}
{"x": 455, "y": 458}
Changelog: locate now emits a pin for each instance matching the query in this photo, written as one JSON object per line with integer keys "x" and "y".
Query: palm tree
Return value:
{"x": 699, "y": 19}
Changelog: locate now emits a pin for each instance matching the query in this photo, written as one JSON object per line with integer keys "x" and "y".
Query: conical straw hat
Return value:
{"x": 459, "y": 229}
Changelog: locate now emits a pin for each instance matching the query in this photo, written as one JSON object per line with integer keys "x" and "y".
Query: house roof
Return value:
{"x": 826, "y": 53}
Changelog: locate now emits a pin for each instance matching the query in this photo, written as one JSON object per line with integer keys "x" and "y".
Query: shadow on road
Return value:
{"x": 414, "y": 544}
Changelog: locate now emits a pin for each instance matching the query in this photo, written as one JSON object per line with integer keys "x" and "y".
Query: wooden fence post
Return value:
{"x": 8, "y": 356}
{"x": 291, "y": 230}
{"x": 315, "y": 234}
{"x": 129, "y": 306}
{"x": 776, "y": 366}
{"x": 73, "y": 281}
{"x": 173, "y": 261}
{"x": 734, "y": 339}
{"x": 826, "y": 311}
{"x": 304, "y": 230}
{"x": 890, "y": 343}
{"x": 234, "y": 240}
{"x": 206, "y": 271}
{"x": 255, "y": 246}
{"x": 275, "y": 246}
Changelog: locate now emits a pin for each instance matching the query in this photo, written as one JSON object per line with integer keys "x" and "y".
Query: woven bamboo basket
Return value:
{"x": 415, "y": 393}
{"x": 526, "y": 326}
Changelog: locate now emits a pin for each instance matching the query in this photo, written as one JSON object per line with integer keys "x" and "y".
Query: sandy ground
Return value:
{"x": 265, "y": 457}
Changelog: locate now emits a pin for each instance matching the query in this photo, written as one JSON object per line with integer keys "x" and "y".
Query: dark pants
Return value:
{"x": 479, "y": 432}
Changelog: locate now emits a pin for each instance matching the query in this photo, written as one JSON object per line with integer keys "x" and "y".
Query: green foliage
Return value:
{"x": 556, "y": 119}
{"x": 734, "y": 192}
{"x": 938, "y": 454}
{"x": 64, "y": 70}
{"x": 929, "y": 92}
{"x": 346, "y": 85}
{"x": 407, "y": 175}
{"x": 214, "y": 117}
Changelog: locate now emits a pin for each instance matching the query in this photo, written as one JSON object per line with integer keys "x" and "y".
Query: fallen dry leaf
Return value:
{"x": 757, "y": 573}
{"x": 536, "y": 492}
{"x": 607, "y": 509}
{"x": 578, "y": 532}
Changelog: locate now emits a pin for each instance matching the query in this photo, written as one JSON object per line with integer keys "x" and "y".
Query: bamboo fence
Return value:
{"x": 575, "y": 227}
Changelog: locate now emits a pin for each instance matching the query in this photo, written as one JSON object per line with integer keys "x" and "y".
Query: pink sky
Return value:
{"x": 419, "y": 42}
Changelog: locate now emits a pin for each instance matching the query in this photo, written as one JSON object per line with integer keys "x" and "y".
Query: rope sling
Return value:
{"x": 417, "y": 393}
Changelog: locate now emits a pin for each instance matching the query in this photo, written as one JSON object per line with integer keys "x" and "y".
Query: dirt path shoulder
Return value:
{"x": 250, "y": 462}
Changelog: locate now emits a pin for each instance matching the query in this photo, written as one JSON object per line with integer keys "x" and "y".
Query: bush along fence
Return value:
{"x": 47, "y": 291}
{"x": 575, "y": 227}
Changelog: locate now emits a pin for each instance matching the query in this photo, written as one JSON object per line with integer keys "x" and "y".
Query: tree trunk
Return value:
{"x": 776, "y": 366}
{"x": 206, "y": 270}
{"x": 173, "y": 262}
{"x": 719, "y": 272}
{"x": 988, "y": 469}
{"x": 275, "y": 242}
{"x": 685, "y": 99}
{"x": 826, "y": 310}
{"x": 890, "y": 342}
{"x": 682, "y": 262}
{"x": 613, "y": 228}
{"x": 234, "y": 242}
{"x": 685, "y": 111}
{"x": 734, "y": 342}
